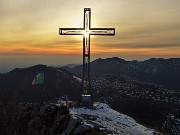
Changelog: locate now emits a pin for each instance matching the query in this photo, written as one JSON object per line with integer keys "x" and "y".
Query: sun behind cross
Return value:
{"x": 86, "y": 31}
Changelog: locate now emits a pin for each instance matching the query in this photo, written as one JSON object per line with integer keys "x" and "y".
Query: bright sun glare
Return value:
{"x": 86, "y": 33}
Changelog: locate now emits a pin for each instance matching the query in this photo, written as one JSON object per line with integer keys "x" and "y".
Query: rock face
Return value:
{"x": 48, "y": 119}
{"x": 72, "y": 124}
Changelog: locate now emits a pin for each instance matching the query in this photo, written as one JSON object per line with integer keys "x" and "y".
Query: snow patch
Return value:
{"x": 77, "y": 78}
{"x": 61, "y": 72}
{"x": 109, "y": 120}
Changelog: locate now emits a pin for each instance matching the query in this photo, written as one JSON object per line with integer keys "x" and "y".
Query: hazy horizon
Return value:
{"x": 52, "y": 60}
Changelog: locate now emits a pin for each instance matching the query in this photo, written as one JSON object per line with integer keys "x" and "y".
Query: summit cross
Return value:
{"x": 86, "y": 31}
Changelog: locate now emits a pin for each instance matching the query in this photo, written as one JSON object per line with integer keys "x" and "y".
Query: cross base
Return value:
{"x": 86, "y": 100}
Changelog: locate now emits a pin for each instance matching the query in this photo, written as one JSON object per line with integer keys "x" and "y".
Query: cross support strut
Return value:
{"x": 86, "y": 31}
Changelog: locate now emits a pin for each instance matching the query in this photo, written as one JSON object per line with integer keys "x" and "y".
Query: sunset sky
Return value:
{"x": 30, "y": 30}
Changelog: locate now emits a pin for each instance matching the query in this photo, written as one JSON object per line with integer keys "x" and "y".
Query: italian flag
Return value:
{"x": 39, "y": 79}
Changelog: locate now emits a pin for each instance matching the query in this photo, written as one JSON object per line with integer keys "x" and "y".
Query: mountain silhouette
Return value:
{"x": 57, "y": 82}
{"x": 160, "y": 71}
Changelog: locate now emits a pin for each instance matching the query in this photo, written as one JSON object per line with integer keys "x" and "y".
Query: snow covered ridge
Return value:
{"x": 77, "y": 78}
{"x": 109, "y": 120}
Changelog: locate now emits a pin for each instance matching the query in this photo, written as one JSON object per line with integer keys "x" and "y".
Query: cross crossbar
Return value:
{"x": 91, "y": 31}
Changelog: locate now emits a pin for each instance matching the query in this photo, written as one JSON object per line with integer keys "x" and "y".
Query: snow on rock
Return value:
{"x": 60, "y": 71}
{"x": 109, "y": 120}
{"x": 77, "y": 78}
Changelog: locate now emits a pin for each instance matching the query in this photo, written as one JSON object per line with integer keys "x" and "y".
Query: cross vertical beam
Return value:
{"x": 86, "y": 31}
{"x": 85, "y": 85}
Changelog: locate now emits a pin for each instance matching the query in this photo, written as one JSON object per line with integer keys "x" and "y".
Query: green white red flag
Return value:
{"x": 39, "y": 79}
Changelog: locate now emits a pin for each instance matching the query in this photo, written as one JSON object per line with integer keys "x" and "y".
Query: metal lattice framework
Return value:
{"x": 86, "y": 31}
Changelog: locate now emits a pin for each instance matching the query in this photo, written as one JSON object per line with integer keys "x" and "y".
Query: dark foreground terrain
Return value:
{"x": 144, "y": 96}
{"x": 41, "y": 119}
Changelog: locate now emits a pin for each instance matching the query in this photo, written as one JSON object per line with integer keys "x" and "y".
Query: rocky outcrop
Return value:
{"x": 47, "y": 119}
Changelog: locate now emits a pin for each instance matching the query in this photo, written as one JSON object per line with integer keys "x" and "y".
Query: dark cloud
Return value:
{"x": 20, "y": 50}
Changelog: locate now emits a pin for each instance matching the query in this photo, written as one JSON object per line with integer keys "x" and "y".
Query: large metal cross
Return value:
{"x": 86, "y": 31}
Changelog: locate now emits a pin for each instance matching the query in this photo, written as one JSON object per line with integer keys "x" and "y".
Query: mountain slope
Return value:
{"x": 57, "y": 82}
{"x": 145, "y": 102}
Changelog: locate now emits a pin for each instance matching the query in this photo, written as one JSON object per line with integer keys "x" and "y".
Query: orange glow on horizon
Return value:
{"x": 78, "y": 51}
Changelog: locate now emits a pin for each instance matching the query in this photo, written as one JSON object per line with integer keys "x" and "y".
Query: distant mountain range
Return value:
{"x": 59, "y": 81}
{"x": 165, "y": 72}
